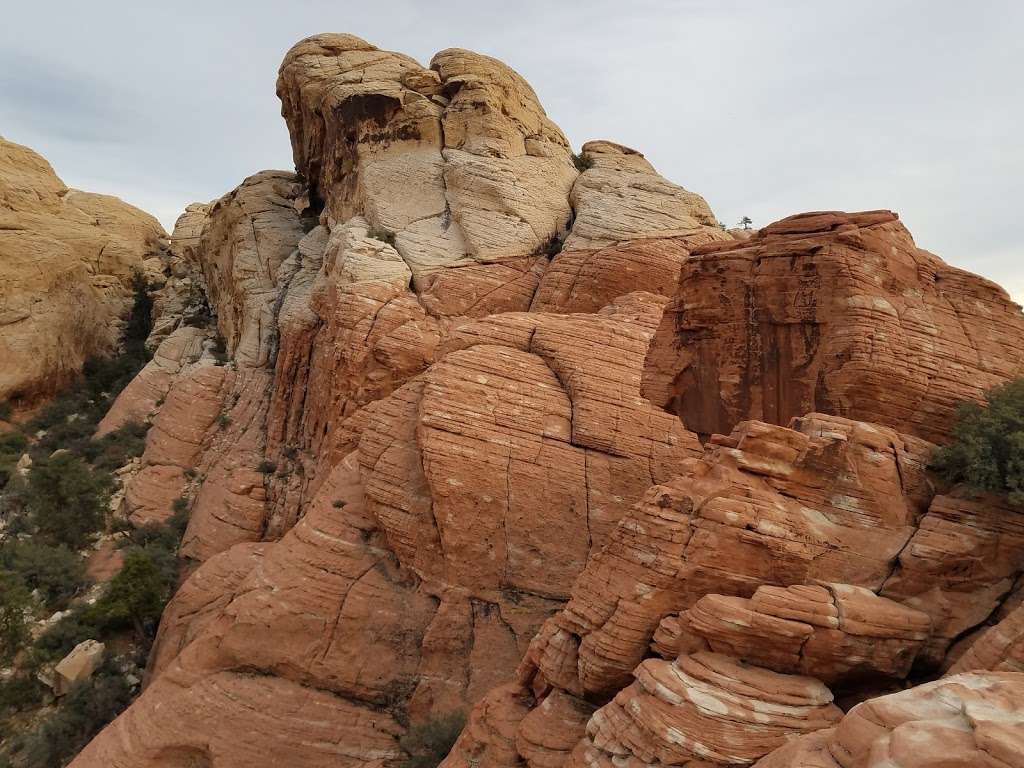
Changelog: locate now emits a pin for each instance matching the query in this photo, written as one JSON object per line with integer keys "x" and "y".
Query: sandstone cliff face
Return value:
{"x": 454, "y": 461}
{"x": 831, "y": 312}
{"x": 66, "y": 259}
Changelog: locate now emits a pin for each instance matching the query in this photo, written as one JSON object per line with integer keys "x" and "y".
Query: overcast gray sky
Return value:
{"x": 765, "y": 108}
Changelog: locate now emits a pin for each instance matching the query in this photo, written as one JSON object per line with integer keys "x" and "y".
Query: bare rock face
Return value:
{"x": 621, "y": 197}
{"x": 767, "y": 505}
{"x": 66, "y": 259}
{"x": 831, "y": 632}
{"x": 139, "y": 399}
{"x": 999, "y": 648}
{"x": 830, "y": 312}
{"x": 249, "y": 235}
{"x": 458, "y": 163}
{"x": 703, "y": 709}
{"x": 963, "y": 721}
{"x": 770, "y": 551}
{"x": 180, "y": 300}
{"x": 960, "y": 565}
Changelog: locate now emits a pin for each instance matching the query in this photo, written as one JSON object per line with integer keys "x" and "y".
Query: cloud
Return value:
{"x": 767, "y": 109}
{"x": 42, "y": 98}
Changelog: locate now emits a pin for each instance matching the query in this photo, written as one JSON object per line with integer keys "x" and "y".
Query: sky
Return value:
{"x": 765, "y": 108}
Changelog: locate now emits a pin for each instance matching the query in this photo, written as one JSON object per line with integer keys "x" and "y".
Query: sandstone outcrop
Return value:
{"x": 621, "y": 197}
{"x": 771, "y": 550}
{"x": 66, "y": 259}
{"x": 831, "y": 312}
{"x": 999, "y": 648}
{"x": 960, "y": 564}
{"x": 965, "y": 721}
{"x": 703, "y": 709}
{"x": 832, "y": 631}
{"x": 486, "y": 425}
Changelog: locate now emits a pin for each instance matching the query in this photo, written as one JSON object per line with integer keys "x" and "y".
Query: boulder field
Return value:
{"x": 496, "y": 428}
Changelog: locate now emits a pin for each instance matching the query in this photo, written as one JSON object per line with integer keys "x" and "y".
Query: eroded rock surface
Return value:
{"x": 66, "y": 260}
{"x": 831, "y": 312}
{"x": 963, "y": 721}
{"x": 831, "y": 631}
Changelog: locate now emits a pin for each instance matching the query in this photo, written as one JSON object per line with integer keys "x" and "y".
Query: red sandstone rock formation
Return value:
{"x": 435, "y": 475}
{"x": 831, "y": 312}
{"x": 966, "y": 721}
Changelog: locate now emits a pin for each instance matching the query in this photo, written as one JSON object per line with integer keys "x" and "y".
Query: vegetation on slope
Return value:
{"x": 50, "y": 513}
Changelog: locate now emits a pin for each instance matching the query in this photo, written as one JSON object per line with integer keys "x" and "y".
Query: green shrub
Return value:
{"x": 266, "y": 467}
{"x": 223, "y": 421}
{"x": 57, "y": 572}
{"x": 66, "y": 500}
{"x": 6, "y": 411}
{"x": 14, "y": 602}
{"x": 180, "y": 504}
{"x": 135, "y": 597}
{"x": 582, "y": 162}
{"x": 428, "y": 743}
{"x": 552, "y": 246}
{"x": 87, "y": 708}
{"x": 384, "y": 235}
{"x": 140, "y": 320}
{"x": 19, "y": 692}
{"x": 986, "y": 449}
{"x": 220, "y": 349}
{"x": 56, "y": 642}
{"x": 117, "y": 448}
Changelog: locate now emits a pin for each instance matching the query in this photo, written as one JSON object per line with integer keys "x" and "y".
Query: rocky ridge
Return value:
{"x": 528, "y": 436}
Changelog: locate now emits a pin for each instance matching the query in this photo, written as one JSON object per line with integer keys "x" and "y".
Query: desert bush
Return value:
{"x": 140, "y": 320}
{"x": 66, "y": 500}
{"x": 428, "y": 743}
{"x": 266, "y": 467}
{"x": 19, "y": 692}
{"x": 56, "y": 642}
{"x": 86, "y": 709}
{"x": 14, "y": 602}
{"x": 117, "y": 448}
{"x": 986, "y": 447}
{"x": 57, "y": 572}
{"x": 135, "y": 597}
{"x": 582, "y": 162}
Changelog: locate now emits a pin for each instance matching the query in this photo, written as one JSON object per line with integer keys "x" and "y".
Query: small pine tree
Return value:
{"x": 746, "y": 221}
{"x": 986, "y": 449}
{"x": 136, "y": 595}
